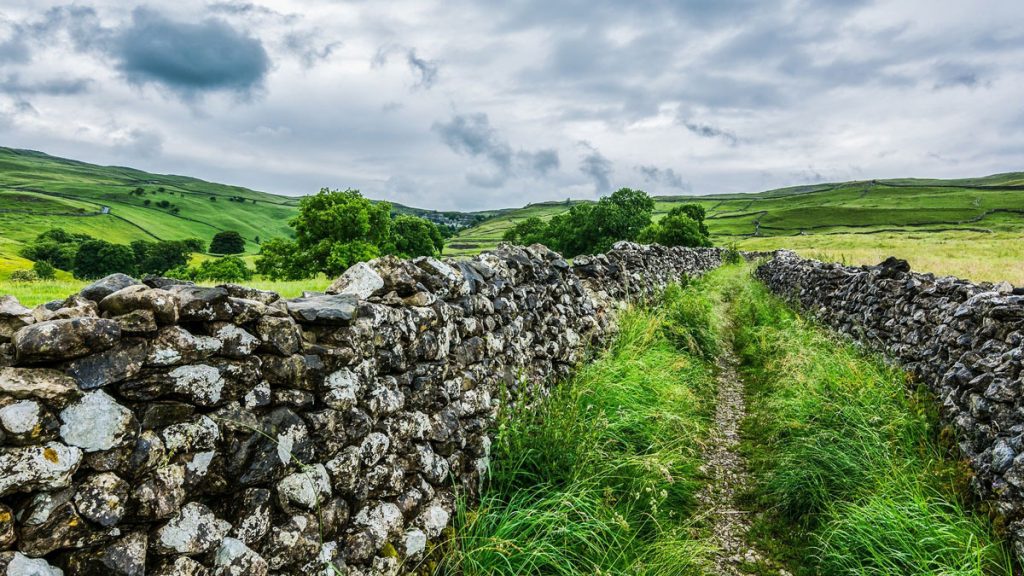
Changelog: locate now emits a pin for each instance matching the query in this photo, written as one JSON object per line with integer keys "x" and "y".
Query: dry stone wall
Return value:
{"x": 164, "y": 428}
{"x": 964, "y": 340}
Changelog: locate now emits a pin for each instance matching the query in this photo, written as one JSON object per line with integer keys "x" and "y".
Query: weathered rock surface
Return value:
{"x": 13, "y": 317}
{"x": 104, "y": 287}
{"x": 224, "y": 430}
{"x": 64, "y": 339}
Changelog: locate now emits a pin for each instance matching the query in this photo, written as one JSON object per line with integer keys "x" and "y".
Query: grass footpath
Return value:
{"x": 600, "y": 477}
{"x": 848, "y": 464}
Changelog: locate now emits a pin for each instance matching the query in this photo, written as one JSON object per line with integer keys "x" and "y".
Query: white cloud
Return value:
{"x": 729, "y": 96}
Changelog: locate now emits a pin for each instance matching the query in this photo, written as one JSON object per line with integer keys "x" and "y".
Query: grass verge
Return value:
{"x": 849, "y": 465}
{"x": 600, "y": 477}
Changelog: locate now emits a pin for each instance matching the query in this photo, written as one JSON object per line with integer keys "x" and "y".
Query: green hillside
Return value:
{"x": 39, "y": 191}
{"x": 971, "y": 227}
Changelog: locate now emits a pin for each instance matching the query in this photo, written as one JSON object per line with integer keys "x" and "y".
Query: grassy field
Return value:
{"x": 972, "y": 228}
{"x": 852, "y": 472}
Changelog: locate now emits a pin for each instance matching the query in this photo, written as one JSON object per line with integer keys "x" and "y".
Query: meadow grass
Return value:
{"x": 973, "y": 255}
{"x": 41, "y": 291}
{"x": 600, "y": 477}
{"x": 848, "y": 463}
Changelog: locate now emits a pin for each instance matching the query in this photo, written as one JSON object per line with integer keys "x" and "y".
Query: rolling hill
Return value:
{"x": 970, "y": 227}
{"x": 39, "y": 191}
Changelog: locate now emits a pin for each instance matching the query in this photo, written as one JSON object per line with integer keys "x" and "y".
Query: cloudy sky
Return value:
{"x": 468, "y": 105}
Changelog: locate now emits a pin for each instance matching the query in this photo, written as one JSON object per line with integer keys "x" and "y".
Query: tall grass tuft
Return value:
{"x": 845, "y": 462}
{"x": 600, "y": 477}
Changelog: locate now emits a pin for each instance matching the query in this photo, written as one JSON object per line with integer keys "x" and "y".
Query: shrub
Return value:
{"x": 23, "y": 276}
{"x": 44, "y": 270}
{"x": 226, "y": 269}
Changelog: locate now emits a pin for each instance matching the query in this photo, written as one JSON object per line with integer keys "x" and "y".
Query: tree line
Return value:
{"x": 626, "y": 214}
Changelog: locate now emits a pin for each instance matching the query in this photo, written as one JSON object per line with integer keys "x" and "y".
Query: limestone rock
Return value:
{"x": 234, "y": 558}
{"x": 64, "y": 339}
{"x": 30, "y": 468}
{"x": 307, "y": 488}
{"x": 236, "y": 342}
{"x": 97, "y": 422}
{"x": 17, "y": 564}
{"x": 13, "y": 317}
{"x": 163, "y": 304}
{"x": 360, "y": 280}
{"x": 104, "y": 287}
{"x": 338, "y": 310}
{"x": 175, "y": 345}
{"x": 7, "y": 534}
{"x": 194, "y": 530}
{"x": 137, "y": 322}
{"x": 201, "y": 434}
{"x": 123, "y": 361}
{"x": 27, "y": 422}
{"x": 50, "y": 386}
{"x": 281, "y": 335}
{"x": 101, "y": 498}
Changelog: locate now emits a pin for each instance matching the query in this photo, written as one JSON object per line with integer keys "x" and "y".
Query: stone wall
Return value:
{"x": 164, "y": 428}
{"x": 964, "y": 340}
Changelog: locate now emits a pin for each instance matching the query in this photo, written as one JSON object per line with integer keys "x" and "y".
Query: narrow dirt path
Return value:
{"x": 728, "y": 477}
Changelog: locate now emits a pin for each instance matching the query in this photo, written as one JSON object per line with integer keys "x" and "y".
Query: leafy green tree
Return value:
{"x": 159, "y": 257}
{"x": 281, "y": 259}
{"x": 333, "y": 217}
{"x": 44, "y": 270}
{"x": 414, "y": 236}
{"x": 55, "y": 246}
{"x": 697, "y": 213}
{"x": 533, "y": 230}
{"x": 194, "y": 244}
{"x": 99, "y": 258}
{"x": 336, "y": 229}
{"x": 677, "y": 228}
{"x": 228, "y": 242}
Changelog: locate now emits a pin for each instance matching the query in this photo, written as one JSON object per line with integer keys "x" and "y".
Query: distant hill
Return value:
{"x": 39, "y": 191}
{"x": 976, "y": 223}
{"x": 990, "y": 204}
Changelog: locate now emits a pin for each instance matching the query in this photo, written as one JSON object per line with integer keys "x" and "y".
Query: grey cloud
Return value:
{"x": 14, "y": 50}
{"x": 309, "y": 52}
{"x": 954, "y": 74}
{"x": 190, "y": 58}
{"x": 709, "y": 131}
{"x": 249, "y": 9}
{"x": 472, "y": 135}
{"x": 426, "y": 70}
{"x": 13, "y": 84}
{"x": 540, "y": 162}
{"x": 597, "y": 167}
{"x": 663, "y": 177}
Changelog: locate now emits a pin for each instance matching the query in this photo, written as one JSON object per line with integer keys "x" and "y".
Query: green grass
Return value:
{"x": 600, "y": 477}
{"x": 849, "y": 464}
